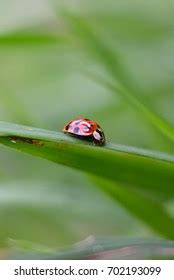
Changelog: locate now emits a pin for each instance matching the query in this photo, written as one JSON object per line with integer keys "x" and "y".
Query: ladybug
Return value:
{"x": 86, "y": 129}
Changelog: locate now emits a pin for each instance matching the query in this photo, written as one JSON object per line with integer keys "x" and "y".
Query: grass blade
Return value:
{"x": 25, "y": 38}
{"x": 112, "y": 248}
{"x": 142, "y": 169}
{"x": 135, "y": 169}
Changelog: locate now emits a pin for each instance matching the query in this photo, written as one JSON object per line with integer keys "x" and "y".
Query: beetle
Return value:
{"x": 86, "y": 129}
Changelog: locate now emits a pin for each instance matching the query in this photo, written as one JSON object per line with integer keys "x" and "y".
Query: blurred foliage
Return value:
{"x": 62, "y": 59}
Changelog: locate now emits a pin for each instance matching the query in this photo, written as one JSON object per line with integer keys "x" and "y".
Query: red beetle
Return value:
{"x": 86, "y": 129}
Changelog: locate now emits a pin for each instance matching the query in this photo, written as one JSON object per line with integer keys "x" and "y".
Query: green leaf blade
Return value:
{"x": 128, "y": 168}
